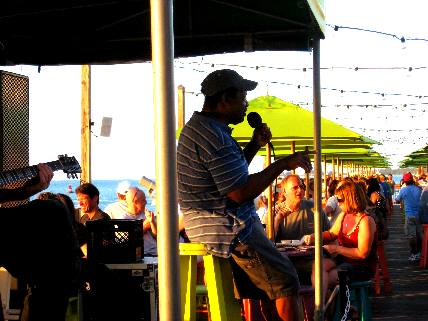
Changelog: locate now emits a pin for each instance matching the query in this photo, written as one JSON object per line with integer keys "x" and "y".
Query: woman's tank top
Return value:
{"x": 351, "y": 241}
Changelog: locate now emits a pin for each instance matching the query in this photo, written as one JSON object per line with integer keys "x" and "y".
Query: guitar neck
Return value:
{"x": 12, "y": 176}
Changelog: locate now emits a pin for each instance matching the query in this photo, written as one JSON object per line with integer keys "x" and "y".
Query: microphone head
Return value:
{"x": 254, "y": 119}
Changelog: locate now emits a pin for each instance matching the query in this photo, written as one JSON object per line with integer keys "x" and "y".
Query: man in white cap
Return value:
{"x": 119, "y": 209}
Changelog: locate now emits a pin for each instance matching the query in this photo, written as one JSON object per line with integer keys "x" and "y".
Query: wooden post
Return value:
{"x": 333, "y": 170}
{"x": 307, "y": 179}
{"x": 325, "y": 178}
{"x": 181, "y": 117}
{"x": 85, "y": 142}
{"x": 271, "y": 204}
{"x": 293, "y": 150}
{"x": 338, "y": 167}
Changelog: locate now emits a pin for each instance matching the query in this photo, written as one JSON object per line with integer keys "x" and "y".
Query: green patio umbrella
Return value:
{"x": 416, "y": 158}
{"x": 291, "y": 123}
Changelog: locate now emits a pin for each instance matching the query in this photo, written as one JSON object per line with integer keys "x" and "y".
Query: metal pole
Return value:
{"x": 319, "y": 300}
{"x": 166, "y": 174}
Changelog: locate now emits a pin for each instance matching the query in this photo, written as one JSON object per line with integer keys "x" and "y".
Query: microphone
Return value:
{"x": 255, "y": 121}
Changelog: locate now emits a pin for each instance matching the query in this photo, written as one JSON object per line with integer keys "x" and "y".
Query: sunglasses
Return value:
{"x": 339, "y": 200}
{"x": 295, "y": 188}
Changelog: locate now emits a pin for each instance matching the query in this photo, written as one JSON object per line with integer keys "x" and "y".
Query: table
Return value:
{"x": 296, "y": 251}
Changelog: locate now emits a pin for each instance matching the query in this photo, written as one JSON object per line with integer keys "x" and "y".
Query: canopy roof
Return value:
{"x": 48, "y": 32}
{"x": 51, "y": 32}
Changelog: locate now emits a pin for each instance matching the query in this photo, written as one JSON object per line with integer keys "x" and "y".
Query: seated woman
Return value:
{"x": 354, "y": 231}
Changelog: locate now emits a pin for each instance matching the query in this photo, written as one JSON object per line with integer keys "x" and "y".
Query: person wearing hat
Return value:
{"x": 119, "y": 209}
{"x": 410, "y": 194}
{"x": 216, "y": 193}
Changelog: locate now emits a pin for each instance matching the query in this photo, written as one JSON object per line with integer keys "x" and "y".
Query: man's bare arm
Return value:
{"x": 258, "y": 182}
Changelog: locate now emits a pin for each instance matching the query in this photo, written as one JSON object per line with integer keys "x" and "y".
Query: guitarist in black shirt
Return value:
{"x": 38, "y": 246}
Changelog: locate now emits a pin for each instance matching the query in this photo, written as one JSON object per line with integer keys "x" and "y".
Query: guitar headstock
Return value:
{"x": 70, "y": 165}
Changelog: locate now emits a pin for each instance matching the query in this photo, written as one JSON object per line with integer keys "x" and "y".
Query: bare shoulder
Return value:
{"x": 369, "y": 220}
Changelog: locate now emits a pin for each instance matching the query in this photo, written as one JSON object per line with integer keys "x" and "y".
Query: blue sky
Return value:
{"x": 124, "y": 92}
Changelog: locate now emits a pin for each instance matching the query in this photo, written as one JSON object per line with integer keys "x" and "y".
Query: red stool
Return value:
{"x": 252, "y": 310}
{"x": 382, "y": 270}
{"x": 423, "y": 263}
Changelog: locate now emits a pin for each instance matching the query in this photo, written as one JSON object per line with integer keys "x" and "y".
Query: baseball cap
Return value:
{"x": 223, "y": 79}
{"x": 123, "y": 187}
{"x": 408, "y": 177}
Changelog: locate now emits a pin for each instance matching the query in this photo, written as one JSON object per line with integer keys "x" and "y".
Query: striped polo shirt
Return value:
{"x": 211, "y": 164}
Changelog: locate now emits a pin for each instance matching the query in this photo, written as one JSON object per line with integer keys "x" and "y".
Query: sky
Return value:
{"x": 349, "y": 97}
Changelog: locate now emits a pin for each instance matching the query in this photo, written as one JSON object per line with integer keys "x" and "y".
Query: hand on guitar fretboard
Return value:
{"x": 68, "y": 165}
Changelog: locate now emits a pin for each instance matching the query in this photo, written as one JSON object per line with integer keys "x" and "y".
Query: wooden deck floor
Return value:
{"x": 409, "y": 299}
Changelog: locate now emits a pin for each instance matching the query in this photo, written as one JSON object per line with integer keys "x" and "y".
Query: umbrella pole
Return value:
{"x": 269, "y": 226}
{"x": 293, "y": 150}
{"x": 325, "y": 179}
{"x": 338, "y": 167}
{"x": 307, "y": 180}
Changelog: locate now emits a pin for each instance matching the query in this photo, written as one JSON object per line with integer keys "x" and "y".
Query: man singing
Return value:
{"x": 216, "y": 194}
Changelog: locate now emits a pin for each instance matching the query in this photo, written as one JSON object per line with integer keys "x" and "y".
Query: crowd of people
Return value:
{"x": 216, "y": 193}
{"x": 50, "y": 285}
{"x": 223, "y": 206}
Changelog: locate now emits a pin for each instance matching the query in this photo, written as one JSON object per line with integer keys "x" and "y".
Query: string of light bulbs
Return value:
{"x": 348, "y": 106}
{"x": 402, "y": 38}
{"x": 338, "y": 90}
{"x": 303, "y": 69}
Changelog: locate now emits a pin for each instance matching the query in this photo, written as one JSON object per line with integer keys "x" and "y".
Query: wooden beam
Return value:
{"x": 181, "y": 117}
{"x": 85, "y": 142}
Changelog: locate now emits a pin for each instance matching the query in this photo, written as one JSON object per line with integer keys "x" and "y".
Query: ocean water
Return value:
{"x": 107, "y": 190}
{"x": 397, "y": 178}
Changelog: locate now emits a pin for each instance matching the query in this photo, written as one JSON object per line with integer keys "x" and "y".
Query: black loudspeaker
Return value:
{"x": 120, "y": 292}
{"x": 14, "y": 125}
